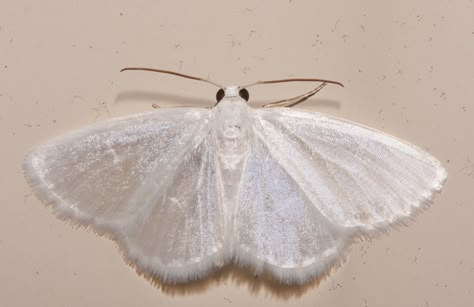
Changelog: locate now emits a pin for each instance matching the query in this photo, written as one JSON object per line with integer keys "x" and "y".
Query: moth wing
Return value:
{"x": 312, "y": 183}
{"x": 147, "y": 180}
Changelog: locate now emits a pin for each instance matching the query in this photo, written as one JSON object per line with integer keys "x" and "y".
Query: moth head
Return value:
{"x": 232, "y": 91}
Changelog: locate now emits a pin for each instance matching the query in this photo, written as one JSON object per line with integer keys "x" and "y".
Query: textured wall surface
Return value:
{"x": 408, "y": 70}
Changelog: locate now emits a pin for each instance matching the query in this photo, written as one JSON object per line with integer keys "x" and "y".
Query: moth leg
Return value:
{"x": 155, "y": 106}
{"x": 295, "y": 100}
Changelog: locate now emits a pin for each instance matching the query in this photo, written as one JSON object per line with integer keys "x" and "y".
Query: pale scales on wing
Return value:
{"x": 185, "y": 191}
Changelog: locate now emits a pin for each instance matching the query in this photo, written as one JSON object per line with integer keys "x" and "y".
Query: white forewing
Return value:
{"x": 355, "y": 176}
{"x": 147, "y": 181}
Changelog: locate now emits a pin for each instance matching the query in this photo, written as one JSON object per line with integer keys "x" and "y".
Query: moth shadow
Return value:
{"x": 161, "y": 98}
{"x": 167, "y": 99}
{"x": 327, "y": 103}
{"x": 231, "y": 275}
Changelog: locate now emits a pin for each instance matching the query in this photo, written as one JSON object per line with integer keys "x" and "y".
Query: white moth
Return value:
{"x": 184, "y": 191}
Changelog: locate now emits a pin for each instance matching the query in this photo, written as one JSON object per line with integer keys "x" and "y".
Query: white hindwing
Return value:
{"x": 147, "y": 180}
{"x": 312, "y": 182}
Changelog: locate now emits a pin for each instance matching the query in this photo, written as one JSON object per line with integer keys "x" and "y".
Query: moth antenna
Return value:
{"x": 163, "y": 71}
{"x": 295, "y": 100}
{"x": 295, "y": 80}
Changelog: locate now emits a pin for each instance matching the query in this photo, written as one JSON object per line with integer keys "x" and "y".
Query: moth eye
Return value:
{"x": 220, "y": 94}
{"x": 244, "y": 94}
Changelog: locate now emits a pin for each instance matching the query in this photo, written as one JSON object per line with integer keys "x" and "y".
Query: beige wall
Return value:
{"x": 408, "y": 69}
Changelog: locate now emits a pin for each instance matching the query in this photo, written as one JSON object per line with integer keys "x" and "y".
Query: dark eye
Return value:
{"x": 220, "y": 94}
{"x": 244, "y": 94}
